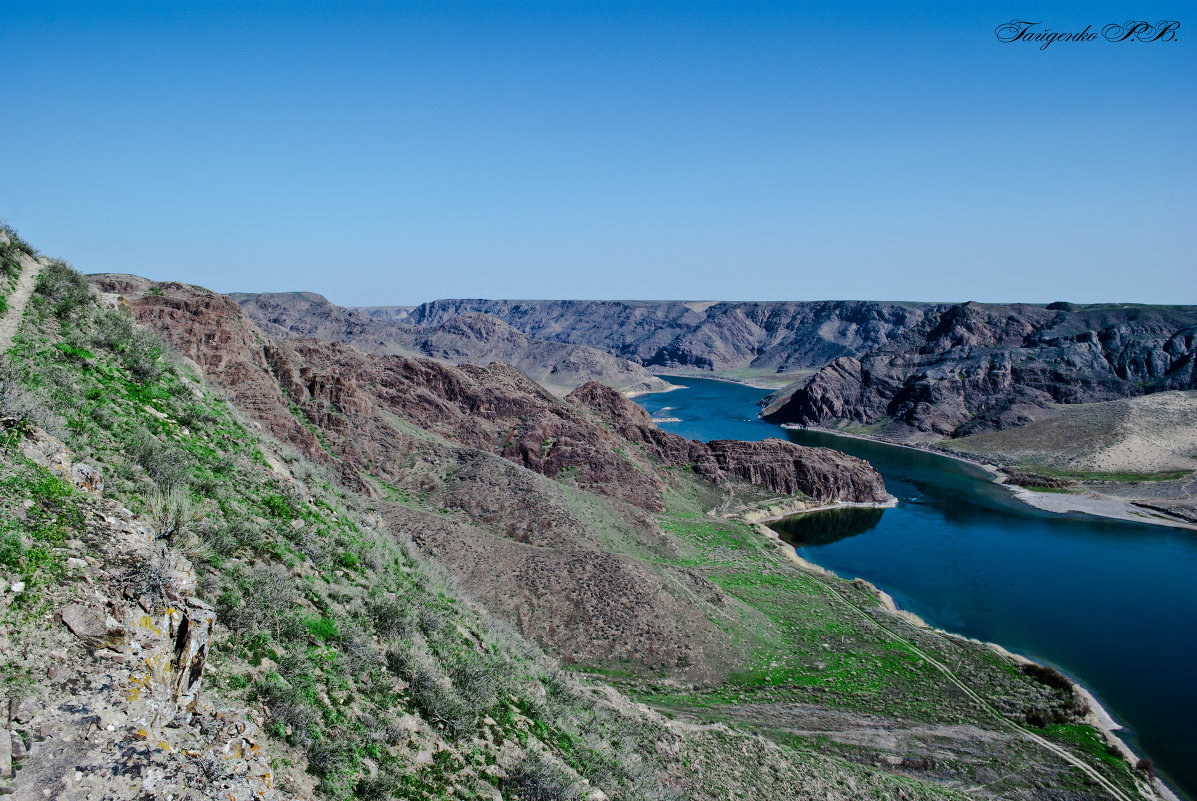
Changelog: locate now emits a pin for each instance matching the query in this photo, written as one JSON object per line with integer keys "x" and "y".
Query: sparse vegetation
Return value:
{"x": 375, "y": 672}
{"x": 326, "y": 618}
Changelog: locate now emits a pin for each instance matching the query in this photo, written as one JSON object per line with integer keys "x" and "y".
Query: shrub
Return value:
{"x": 220, "y": 537}
{"x": 377, "y": 788}
{"x": 194, "y": 415}
{"x": 15, "y": 240}
{"x": 481, "y": 681}
{"x": 168, "y": 467}
{"x": 442, "y": 707}
{"x": 391, "y": 618}
{"x": 17, "y": 401}
{"x": 150, "y": 576}
{"x": 333, "y": 762}
{"x": 1049, "y": 676}
{"x": 65, "y": 290}
{"x": 322, "y": 628}
{"x": 11, "y": 549}
{"x": 140, "y": 351}
{"x": 174, "y": 511}
{"x": 10, "y": 252}
{"x": 430, "y": 691}
{"x": 280, "y": 506}
{"x": 289, "y": 709}
{"x": 258, "y": 602}
{"x": 536, "y": 779}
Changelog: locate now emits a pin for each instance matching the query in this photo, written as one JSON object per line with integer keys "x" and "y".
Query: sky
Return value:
{"x": 393, "y": 153}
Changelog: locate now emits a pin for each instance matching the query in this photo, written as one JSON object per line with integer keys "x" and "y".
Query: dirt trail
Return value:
{"x": 11, "y": 320}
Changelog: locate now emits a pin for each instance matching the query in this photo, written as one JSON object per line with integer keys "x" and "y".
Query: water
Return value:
{"x": 1108, "y": 602}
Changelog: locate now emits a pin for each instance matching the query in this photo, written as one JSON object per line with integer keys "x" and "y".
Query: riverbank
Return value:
{"x": 1096, "y": 715}
{"x": 781, "y": 511}
{"x": 760, "y": 382}
{"x": 1086, "y": 502}
{"x": 968, "y": 556}
{"x": 635, "y": 393}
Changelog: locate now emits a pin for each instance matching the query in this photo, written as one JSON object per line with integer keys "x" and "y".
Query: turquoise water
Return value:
{"x": 1108, "y": 602}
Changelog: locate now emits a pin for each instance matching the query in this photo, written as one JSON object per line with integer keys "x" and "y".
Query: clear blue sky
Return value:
{"x": 391, "y": 153}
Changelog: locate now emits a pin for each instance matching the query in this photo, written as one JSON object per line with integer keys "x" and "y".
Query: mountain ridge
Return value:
{"x": 468, "y": 338}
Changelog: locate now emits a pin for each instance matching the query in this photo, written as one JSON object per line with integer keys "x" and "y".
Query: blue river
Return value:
{"x": 1109, "y": 603}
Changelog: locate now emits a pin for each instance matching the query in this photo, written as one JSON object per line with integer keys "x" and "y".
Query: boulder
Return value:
{"x": 87, "y": 478}
{"x": 92, "y": 626}
{"x": 5, "y": 757}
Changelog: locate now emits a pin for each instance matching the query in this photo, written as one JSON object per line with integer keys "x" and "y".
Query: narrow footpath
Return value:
{"x": 11, "y": 321}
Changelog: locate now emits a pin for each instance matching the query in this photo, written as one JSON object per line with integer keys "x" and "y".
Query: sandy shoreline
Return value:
{"x": 890, "y": 504}
{"x": 1087, "y": 503}
{"x": 725, "y": 379}
{"x": 636, "y": 393}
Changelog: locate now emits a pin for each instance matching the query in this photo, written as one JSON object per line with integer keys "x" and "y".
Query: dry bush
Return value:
{"x": 534, "y": 778}
{"x": 260, "y": 602}
{"x": 175, "y": 512}
{"x": 150, "y": 576}
{"x": 17, "y": 401}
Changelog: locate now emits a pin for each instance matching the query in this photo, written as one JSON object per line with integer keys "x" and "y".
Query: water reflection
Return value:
{"x": 824, "y": 528}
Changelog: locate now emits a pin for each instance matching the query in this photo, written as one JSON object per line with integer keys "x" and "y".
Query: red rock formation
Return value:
{"x": 823, "y": 474}
{"x": 352, "y": 399}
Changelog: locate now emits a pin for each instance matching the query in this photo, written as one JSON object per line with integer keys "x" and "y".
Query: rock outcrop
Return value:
{"x": 114, "y": 709}
{"x": 781, "y": 336}
{"x": 825, "y": 475}
{"x": 972, "y": 367}
{"x": 934, "y": 370}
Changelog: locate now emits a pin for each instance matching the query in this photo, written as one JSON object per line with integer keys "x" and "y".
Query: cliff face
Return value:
{"x": 825, "y": 475}
{"x": 934, "y": 370}
{"x": 468, "y": 338}
{"x": 971, "y": 368}
{"x": 781, "y": 336}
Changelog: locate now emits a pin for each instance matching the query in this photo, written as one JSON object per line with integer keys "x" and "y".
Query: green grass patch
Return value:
{"x": 1095, "y": 475}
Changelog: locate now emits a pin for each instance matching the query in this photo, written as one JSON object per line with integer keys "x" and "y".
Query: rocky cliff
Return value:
{"x": 934, "y": 370}
{"x": 825, "y": 475}
{"x": 775, "y": 336}
{"x": 973, "y": 367}
{"x": 463, "y": 339}
{"x": 348, "y": 395}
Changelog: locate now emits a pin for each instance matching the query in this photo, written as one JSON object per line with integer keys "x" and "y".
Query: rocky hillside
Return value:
{"x": 775, "y": 337}
{"x": 192, "y": 609}
{"x": 974, "y": 367}
{"x": 378, "y": 549}
{"x": 482, "y": 442}
{"x": 825, "y": 475}
{"x": 352, "y": 398}
{"x": 926, "y": 370}
{"x": 464, "y": 339}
